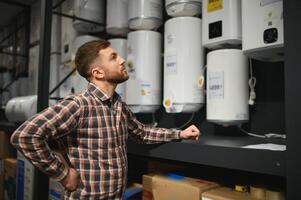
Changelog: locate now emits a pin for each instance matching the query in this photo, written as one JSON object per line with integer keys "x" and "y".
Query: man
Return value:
{"x": 95, "y": 124}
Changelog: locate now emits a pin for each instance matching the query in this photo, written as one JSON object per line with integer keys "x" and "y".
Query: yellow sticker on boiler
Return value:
{"x": 167, "y": 103}
{"x": 143, "y": 92}
{"x": 201, "y": 81}
{"x": 214, "y": 5}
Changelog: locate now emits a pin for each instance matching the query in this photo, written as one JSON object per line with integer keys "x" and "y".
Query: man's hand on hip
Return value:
{"x": 72, "y": 180}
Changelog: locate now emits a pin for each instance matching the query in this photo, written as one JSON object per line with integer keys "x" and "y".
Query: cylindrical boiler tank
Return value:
{"x": 145, "y": 14}
{"x": 92, "y": 10}
{"x": 227, "y": 87}
{"x": 178, "y": 8}
{"x": 143, "y": 89}
{"x": 183, "y": 65}
{"x": 19, "y": 109}
{"x": 117, "y": 17}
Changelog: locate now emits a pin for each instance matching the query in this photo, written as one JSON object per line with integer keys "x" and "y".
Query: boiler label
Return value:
{"x": 216, "y": 85}
{"x": 171, "y": 64}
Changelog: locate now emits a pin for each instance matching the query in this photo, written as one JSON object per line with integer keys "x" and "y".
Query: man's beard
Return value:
{"x": 118, "y": 77}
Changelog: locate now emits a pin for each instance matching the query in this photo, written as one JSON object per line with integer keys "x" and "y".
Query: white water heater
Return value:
{"x": 221, "y": 23}
{"x": 93, "y": 10}
{"x": 184, "y": 64}
{"x": 117, "y": 17}
{"x": 144, "y": 64}
{"x": 177, "y": 8}
{"x": 80, "y": 83}
{"x": 227, "y": 87}
{"x": 145, "y": 14}
{"x": 19, "y": 109}
{"x": 120, "y": 45}
{"x": 262, "y": 29}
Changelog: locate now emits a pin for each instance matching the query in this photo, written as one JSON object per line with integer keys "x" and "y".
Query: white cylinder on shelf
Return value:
{"x": 222, "y": 24}
{"x": 143, "y": 89}
{"x": 145, "y": 14}
{"x": 184, "y": 64}
{"x": 117, "y": 17}
{"x": 120, "y": 45}
{"x": 177, "y": 8}
{"x": 227, "y": 87}
{"x": 79, "y": 82}
{"x": 92, "y": 10}
{"x": 19, "y": 109}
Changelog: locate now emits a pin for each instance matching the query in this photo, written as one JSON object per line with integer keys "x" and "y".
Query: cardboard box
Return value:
{"x": 147, "y": 193}
{"x": 224, "y": 193}
{"x": 6, "y": 149}
{"x": 10, "y": 173}
{"x": 158, "y": 187}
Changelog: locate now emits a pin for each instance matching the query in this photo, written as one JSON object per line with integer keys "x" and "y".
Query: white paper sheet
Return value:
{"x": 268, "y": 146}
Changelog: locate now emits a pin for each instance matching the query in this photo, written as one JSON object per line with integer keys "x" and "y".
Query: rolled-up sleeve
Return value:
{"x": 147, "y": 134}
{"x": 32, "y": 136}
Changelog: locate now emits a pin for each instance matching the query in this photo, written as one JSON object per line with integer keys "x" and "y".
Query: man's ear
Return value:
{"x": 98, "y": 73}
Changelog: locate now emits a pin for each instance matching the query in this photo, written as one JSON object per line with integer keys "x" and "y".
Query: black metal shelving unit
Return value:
{"x": 227, "y": 152}
{"x": 217, "y": 152}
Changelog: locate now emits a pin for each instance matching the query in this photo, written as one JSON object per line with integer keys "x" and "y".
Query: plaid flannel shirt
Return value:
{"x": 96, "y": 130}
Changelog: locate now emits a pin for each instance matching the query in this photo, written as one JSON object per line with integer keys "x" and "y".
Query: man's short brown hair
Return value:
{"x": 86, "y": 54}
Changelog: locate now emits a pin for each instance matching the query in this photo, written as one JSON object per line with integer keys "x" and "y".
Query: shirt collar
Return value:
{"x": 100, "y": 94}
